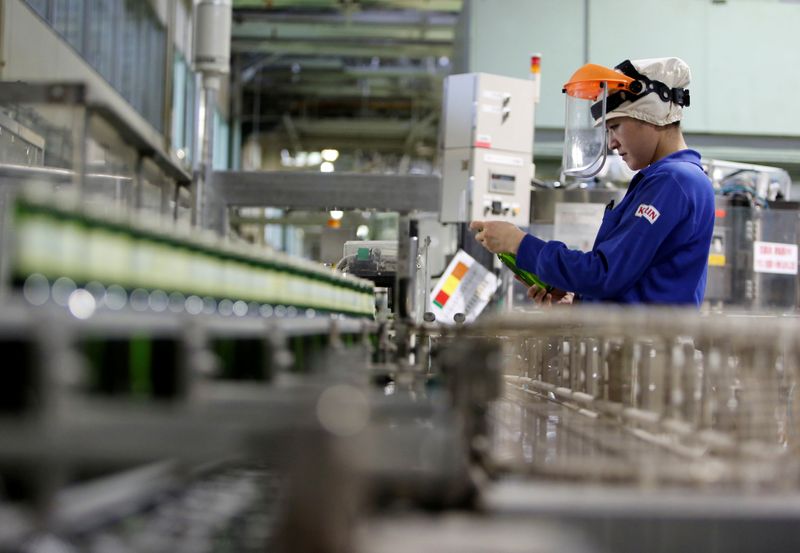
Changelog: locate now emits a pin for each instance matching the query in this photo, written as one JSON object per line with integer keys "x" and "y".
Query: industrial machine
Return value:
{"x": 488, "y": 146}
{"x": 169, "y": 390}
{"x": 753, "y": 258}
{"x": 487, "y": 169}
{"x": 649, "y": 429}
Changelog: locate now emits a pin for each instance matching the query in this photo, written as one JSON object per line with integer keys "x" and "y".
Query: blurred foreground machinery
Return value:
{"x": 565, "y": 430}
{"x": 167, "y": 389}
{"x": 164, "y": 390}
{"x": 650, "y": 430}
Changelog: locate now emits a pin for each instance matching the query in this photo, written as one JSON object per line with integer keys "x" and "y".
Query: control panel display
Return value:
{"x": 502, "y": 184}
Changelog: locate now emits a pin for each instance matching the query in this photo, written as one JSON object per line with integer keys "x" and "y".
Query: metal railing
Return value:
{"x": 649, "y": 395}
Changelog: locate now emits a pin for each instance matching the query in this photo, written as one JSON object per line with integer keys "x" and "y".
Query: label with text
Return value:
{"x": 648, "y": 212}
{"x": 775, "y": 257}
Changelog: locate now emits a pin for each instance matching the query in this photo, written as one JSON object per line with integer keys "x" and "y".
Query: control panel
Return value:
{"x": 488, "y": 145}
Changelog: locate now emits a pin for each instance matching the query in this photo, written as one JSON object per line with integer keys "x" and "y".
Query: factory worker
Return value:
{"x": 652, "y": 248}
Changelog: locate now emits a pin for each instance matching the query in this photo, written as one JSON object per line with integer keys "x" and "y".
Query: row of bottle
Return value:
{"x": 56, "y": 237}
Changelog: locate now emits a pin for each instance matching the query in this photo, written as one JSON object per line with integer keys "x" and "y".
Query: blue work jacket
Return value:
{"x": 651, "y": 248}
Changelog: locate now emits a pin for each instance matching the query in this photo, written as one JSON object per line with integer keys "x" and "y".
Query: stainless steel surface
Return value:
{"x": 467, "y": 533}
{"x": 204, "y": 172}
{"x": 633, "y": 519}
{"x": 663, "y": 430}
{"x": 19, "y": 144}
{"x": 144, "y": 145}
{"x": 42, "y": 93}
{"x": 733, "y": 280}
{"x": 24, "y": 173}
{"x": 543, "y": 200}
{"x": 76, "y": 94}
{"x": 405, "y": 285}
{"x": 69, "y": 427}
{"x": 657, "y": 430}
{"x": 653, "y": 397}
{"x": 765, "y": 180}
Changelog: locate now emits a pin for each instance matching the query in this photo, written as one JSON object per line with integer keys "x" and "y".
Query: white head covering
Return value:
{"x": 673, "y": 72}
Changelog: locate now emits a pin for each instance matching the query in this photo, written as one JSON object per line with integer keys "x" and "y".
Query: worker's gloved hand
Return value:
{"x": 542, "y": 297}
{"x": 497, "y": 236}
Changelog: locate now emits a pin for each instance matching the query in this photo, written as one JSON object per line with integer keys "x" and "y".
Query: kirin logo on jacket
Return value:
{"x": 648, "y": 212}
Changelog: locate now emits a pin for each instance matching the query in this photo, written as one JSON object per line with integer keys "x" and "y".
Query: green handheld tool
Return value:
{"x": 510, "y": 261}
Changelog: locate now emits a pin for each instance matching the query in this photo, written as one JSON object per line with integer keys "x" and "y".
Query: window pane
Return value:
{"x": 190, "y": 132}
{"x": 39, "y": 6}
{"x": 67, "y": 20}
{"x": 178, "y": 101}
{"x": 221, "y": 135}
{"x": 100, "y": 37}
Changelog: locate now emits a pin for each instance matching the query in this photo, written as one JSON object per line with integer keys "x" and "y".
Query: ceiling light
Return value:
{"x": 314, "y": 158}
{"x": 330, "y": 155}
{"x": 336, "y": 214}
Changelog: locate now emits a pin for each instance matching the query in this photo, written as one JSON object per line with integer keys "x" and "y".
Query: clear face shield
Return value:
{"x": 585, "y": 138}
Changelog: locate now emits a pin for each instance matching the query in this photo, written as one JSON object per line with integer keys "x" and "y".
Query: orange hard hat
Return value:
{"x": 586, "y": 82}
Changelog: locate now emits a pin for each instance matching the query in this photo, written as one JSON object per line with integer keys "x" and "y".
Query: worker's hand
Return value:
{"x": 542, "y": 297}
{"x": 497, "y": 236}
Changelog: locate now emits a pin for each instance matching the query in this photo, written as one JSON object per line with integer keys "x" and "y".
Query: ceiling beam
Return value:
{"x": 341, "y": 90}
{"x": 385, "y": 18}
{"x": 452, "y": 6}
{"x": 405, "y": 79}
{"x": 273, "y": 31}
{"x": 422, "y": 5}
{"x": 384, "y": 128}
{"x": 358, "y": 49}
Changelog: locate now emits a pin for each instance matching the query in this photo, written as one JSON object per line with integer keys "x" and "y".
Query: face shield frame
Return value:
{"x": 585, "y": 136}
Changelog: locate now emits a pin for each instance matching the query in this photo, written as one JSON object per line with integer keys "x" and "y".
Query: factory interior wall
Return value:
{"x": 32, "y": 51}
{"x": 743, "y": 53}
{"x": 460, "y": 61}
{"x": 504, "y": 33}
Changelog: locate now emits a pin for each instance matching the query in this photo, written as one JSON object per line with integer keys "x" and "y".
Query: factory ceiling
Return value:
{"x": 363, "y": 76}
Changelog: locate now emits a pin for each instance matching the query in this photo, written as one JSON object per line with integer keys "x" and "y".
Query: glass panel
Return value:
{"x": 178, "y": 102}
{"x": 123, "y": 40}
{"x": 189, "y": 120}
{"x": 221, "y": 138}
{"x": 157, "y": 66}
{"x": 39, "y": 6}
{"x": 67, "y": 20}
{"x": 55, "y": 142}
{"x": 99, "y": 36}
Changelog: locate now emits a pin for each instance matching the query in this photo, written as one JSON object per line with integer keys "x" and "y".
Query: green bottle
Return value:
{"x": 510, "y": 261}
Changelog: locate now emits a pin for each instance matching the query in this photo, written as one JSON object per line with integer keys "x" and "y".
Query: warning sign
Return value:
{"x": 775, "y": 257}
{"x": 465, "y": 287}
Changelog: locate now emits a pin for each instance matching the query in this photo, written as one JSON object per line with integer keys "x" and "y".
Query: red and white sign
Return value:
{"x": 483, "y": 141}
{"x": 775, "y": 257}
{"x": 648, "y": 212}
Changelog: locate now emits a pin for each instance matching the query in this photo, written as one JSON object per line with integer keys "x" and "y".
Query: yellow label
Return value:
{"x": 716, "y": 260}
{"x": 450, "y": 285}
